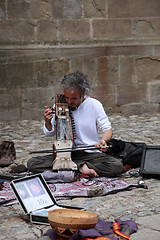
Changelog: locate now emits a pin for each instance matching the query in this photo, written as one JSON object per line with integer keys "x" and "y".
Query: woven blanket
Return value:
{"x": 7, "y": 196}
{"x": 82, "y": 188}
{"x": 90, "y": 187}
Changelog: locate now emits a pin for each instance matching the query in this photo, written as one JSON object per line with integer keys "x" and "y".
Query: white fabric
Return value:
{"x": 89, "y": 118}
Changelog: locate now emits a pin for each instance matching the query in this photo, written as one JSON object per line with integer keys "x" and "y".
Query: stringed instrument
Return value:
{"x": 64, "y": 136}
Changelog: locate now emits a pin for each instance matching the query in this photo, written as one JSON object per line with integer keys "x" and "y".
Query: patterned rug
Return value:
{"x": 81, "y": 188}
{"x": 90, "y": 187}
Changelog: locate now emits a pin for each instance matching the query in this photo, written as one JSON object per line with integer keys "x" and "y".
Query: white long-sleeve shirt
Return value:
{"x": 89, "y": 118}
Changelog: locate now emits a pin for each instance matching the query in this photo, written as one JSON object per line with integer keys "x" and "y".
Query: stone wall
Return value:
{"x": 115, "y": 42}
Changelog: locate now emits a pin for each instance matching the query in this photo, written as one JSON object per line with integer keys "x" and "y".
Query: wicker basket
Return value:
{"x": 65, "y": 222}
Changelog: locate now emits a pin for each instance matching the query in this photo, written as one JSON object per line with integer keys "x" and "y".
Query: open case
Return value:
{"x": 150, "y": 164}
{"x": 36, "y": 198}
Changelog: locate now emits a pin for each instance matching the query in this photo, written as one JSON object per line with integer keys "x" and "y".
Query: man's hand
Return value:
{"x": 102, "y": 145}
{"x": 48, "y": 115}
{"x": 107, "y": 135}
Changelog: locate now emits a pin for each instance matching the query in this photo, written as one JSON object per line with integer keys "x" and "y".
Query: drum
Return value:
{"x": 65, "y": 222}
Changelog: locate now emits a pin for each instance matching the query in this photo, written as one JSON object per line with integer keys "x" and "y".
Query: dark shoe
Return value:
{"x": 5, "y": 161}
{"x": 7, "y": 153}
{"x": 18, "y": 169}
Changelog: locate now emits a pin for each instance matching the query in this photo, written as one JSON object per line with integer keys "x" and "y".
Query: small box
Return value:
{"x": 35, "y": 197}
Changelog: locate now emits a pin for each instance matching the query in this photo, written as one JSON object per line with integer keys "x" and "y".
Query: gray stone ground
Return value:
{"x": 139, "y": 205}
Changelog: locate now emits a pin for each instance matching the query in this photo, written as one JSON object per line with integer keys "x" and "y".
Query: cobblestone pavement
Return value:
{"x": 140, "y": 205}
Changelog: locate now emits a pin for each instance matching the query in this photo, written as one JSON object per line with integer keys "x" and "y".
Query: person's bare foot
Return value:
{"x": 85, "y": 170}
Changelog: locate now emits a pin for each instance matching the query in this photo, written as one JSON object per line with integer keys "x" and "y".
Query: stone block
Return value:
{"x": 112, "y": 29}
{"x": 133, "y": 8}
{"x": 106, "y": 95}
{"x": 146, "y": 232}
{"x": 148, "y": 27}
{"x": 62, "y": 9}
{"x": 108, "y": 71}
{"x": 16, "y": 75}
{"x": 16, "y": 31}
{"x": 3, "y": 76}
{"x": 87, "y": 65}
{"x": 139, "y": 109}
{"x": 2, "y": 9}
{"x": 154, "y": 91}
{"x": 47, "y": 31}
{"x": 84, "y": 51}
{"x": 127, "y": 73}
{"x": 50, "y": 72}
{"x": 148, "y": 222}
{"x": 157, "y": 50}
{"x": 10, "y": 99}
{"x": 46, "y": 9}
{"x": 29, "y": 55}
{"x": 37, "y": 98}
{"x": 128, "y": 93}
{"x": 147, "y": 68}
{"x": 95, "y": 8}
{"x": 74, "y": 30}
{"x": 136, "y": 50}
{"x": 24, "y": 9}
{"x": 20, "y": 75}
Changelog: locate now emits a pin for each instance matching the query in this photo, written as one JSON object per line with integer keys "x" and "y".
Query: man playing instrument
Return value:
{"x": 90, "y": 119}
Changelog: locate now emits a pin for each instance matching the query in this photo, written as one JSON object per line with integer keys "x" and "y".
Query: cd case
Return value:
{"x": 35, "y": 197}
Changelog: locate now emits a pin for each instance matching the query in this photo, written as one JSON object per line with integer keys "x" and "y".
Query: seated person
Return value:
{"x": 89, "y": 118}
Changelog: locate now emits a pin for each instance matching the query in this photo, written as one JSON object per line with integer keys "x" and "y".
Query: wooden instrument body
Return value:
{"x": 64, "y": 136}
{"x": 66, "y": 222}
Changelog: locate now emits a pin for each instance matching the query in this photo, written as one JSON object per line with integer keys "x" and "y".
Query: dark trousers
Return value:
{"x": 104, "y": 164}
